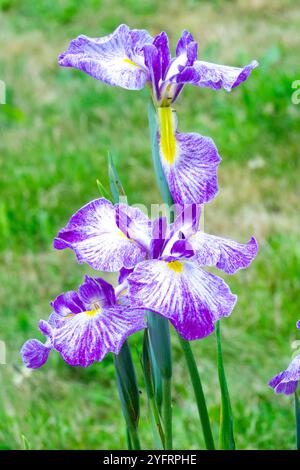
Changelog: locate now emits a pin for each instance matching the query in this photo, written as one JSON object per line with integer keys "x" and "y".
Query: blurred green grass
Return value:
{"x": 56, "y": 129}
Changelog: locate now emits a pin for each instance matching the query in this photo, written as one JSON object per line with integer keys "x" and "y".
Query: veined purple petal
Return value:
{"x": 220, "y": 76}
{"x": 161, "y": 42}
{"x": 92, "y": 233}
{"x": 67, "y": 303}
{"x": 89, "y": 336}
{"x": 225, "y": 254}
{"x": 134, "y": 224}
{"x": 189, "y": 161}
{"x": 124, "y": 273}
{"x": 191, "y": 298}
{"x": 95, "y": 293}
{"x": 286, "y": 382}
{"x": 116, "y": 59}
{"x": 184, "y": 42}
{"x": 153, "y": 62}
{"x": 34, "y": 353}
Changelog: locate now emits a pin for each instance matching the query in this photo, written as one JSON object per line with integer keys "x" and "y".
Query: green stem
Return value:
{"x": 297, "y": 415}
{"x": 199, "y": 395}
{"x": 226, "y": 439}
{"x": 167, "y": 412}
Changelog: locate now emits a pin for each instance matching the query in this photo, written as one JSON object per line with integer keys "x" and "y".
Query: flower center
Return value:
{"x": 176, "y": 266}
{"x": 92, "y": 313}
{"x": 167, "y": 134}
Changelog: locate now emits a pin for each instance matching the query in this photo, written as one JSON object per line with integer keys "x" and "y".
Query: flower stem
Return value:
{"x": 199, "y": 394}
{"x": 297, "y": 415}
{"x": 167, "y": 412}
{"x": 226, "y": 438}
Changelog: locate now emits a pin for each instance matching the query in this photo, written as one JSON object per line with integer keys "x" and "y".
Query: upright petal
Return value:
{"x": 286, "y": 382}
{"x": 220, "y": 76}
{"x": 134, "y": 224}
{"x": 189, "y": 161}
{"x": 191, "y": 298}
{"x": 34, "y": 353}
{"x": 96, "y": 239}
{"x": 89, "y": 336}
{"x": 225, "y": 254}
{"x": 153, "y": 62}
{"x": 96, "y": 292}
{"x": 161, "y": 42}
{"x": 116, "y": 59}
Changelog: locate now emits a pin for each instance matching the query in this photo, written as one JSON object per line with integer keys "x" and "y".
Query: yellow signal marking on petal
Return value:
{"x": 122, "y": 235}
{"x": 167, "y": 134}
{"x": 176, "y": 266}
{"x": 70, "y": 315}
{"x": 123, "y": 292}
{"x": 92, "y": 313}
{"x": 128, "y": 61}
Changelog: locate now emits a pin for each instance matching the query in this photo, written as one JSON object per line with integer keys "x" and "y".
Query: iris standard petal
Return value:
{"x": 286, "y": 382}
{"x": 96, "y": 291}
{"x": 89, "y": 336}
{"x": 96, "y": 239}
{"x": 225, "y": 254}
{"x": 220, "y": 76}
{"x": 116, "y": 59}
{"x": 192, "y": 299}
{"x": 189, "y": 161}
{"x": 34, "y": 353}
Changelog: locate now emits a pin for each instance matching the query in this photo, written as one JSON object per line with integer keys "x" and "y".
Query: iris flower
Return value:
{"x": 164, "y": 263}
{"x": 286, "y": 381}
{"x": 85, "y": 325}
{"x": 132, "y": 58}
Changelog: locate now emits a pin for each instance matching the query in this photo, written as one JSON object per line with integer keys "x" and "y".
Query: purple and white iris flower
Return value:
{"x": 286, "y": 381}
{"x": 85, "y": 325}
{"x": 164, "y": 263}
{"x": 132, "y": 58}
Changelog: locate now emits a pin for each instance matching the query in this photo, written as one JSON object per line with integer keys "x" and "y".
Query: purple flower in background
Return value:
{"x": 85, "y": 325}
{"x": 286, "y": 381}
{"x": 132, "y": 58}
{"x": 167, "y": 276}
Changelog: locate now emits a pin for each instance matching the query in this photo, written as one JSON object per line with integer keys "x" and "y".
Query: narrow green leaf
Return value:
{"x": 226, "y": 438}
{"x": 159, "y": 333}
{"x": 157, "y": 428}
{"x": 103, "y": 191}
{"x": 128, "y": 389}
{"x": 199, "y": 394}
{"x": 114, "y": 180}
{"x": 26, "y": 445}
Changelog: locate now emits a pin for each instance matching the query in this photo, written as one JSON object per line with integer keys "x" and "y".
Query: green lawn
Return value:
{"x": 55, "y": 131}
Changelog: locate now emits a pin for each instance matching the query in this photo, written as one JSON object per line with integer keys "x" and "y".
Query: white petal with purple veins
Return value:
{"x": 191, "y": 298}
{"x": 116, "y": 59}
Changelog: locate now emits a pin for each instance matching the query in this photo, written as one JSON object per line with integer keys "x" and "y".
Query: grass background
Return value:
{"x": 56, "y": 129}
